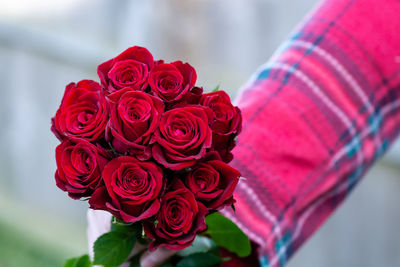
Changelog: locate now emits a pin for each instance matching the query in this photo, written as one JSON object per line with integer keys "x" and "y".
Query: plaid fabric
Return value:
{"x": 316, "y": 116}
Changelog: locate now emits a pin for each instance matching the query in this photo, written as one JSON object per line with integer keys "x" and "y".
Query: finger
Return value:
{"x": 137, "y": 248}
{"x": 154, "y": 259}
{"x": 99, "y": 222}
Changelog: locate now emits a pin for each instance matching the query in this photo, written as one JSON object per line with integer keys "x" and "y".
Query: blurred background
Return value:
{"x": 46, "y": 44}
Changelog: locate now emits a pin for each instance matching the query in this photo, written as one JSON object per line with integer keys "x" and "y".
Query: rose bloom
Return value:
{"x": 213, "y": 183}
{"x": 129, "y": 69}
{"x": 131, "y": 189}
{"x": 80, "y": 165}
{"x": 83, "y": 112}
{"x": 134, "y": 117}
{"x": 226, "y": 123}
{"x": 180, "y": 218}
{"x": 172, "y": 81}
{"x": 192, "y": 97}
{"x": 183, "y": 137}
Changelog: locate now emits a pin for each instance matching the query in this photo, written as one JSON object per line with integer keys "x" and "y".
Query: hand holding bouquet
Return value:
{"x": 149, "y": 147}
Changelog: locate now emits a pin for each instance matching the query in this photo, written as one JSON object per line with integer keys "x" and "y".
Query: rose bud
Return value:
{"x": 226, "y": 123}
{"x": 129, "y": 69}
{"x": 158, "y": 62}
{"x": 183, "y": 137}
{"x": 132, "y": 189}
{"x": 83, "y": 112}
{"x": 134, "y": 117}
{"x": 192, "y": 97}
{"x": 172, "y": 81}
{"x": 213, "y": 183}
{"x": 180, "y": 218}
{"x": 80, "y": 165}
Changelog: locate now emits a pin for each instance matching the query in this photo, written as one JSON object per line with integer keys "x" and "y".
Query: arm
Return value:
{"x": 316, "y": 117}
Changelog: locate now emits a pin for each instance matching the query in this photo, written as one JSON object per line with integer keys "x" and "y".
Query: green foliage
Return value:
{"x": 215, "y": 89}
{"x": 119, "y": 226}
{"x": 135, "y": 260}
{"x": 226, "y": 234}
{"x": 83, "y": 261}
{"x": 18, "y": 248}
{"x": 202, "y": 259}
{"x": 166, "y": 264}
{"x": 113, "y": 248}
{"x": 233, "y": 207}
{"x": 200, "y": 244}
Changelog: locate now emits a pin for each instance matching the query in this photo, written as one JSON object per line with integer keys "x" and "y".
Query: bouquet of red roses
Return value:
{"x": 149, "y": 147}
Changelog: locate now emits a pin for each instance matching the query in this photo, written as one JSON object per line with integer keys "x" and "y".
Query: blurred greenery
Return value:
{"x": 31, "y": 237}
{"x": 17, "y": 249}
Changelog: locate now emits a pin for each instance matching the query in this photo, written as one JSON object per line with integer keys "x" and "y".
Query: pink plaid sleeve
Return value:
{"x": 316, "y": 117}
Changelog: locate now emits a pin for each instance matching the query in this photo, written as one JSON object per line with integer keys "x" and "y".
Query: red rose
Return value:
{"x": 132, "y": 189}
{"x": 158, "y": 62}
{"x": 80, "y": 164}
{"x": 182, "y": 137}
{"x": 192, "y": 97}
{"x": 226, "y": 123}
{"x": 83, "y": 112}
{"x": 134, "y": 117}
{"x": 180, "y": 218}
{"x": 129, "y": 69}
{"x": 213, "y": 183}
{"x": 172, "y": 81}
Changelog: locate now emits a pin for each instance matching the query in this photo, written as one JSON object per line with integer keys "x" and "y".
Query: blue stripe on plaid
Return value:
{"x": 264, "y": 261}
{"x": 290, "y": 73}
{"x": 284, "y": 250}
{"x": 265, "y": 73}
{"x": 296, "y": 36}
{"x": 355, "y": 177}
{"x": 375, "y": 122}
{"x": 288, "y": 44}
{"x": 315, "y": 43}
{"x": 353, "y": 146}
{"x": 382, "y": 149}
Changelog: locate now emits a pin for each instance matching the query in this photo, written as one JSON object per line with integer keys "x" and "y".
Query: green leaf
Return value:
{"x": 129, "y": 228}
{"x": 200, "y": 244}
{"x": 135, "y": 260}
{"x": 233, "y": 207}
{"x": 120, "y": 226}
{"x": 215, "y": 89}
{"x": 199, "y": 260}
{"x": 113, "y": 248}
{"x": 226, "y": 234}
{"x": 167, "y": 264}
{"x": 83, "y": 261}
